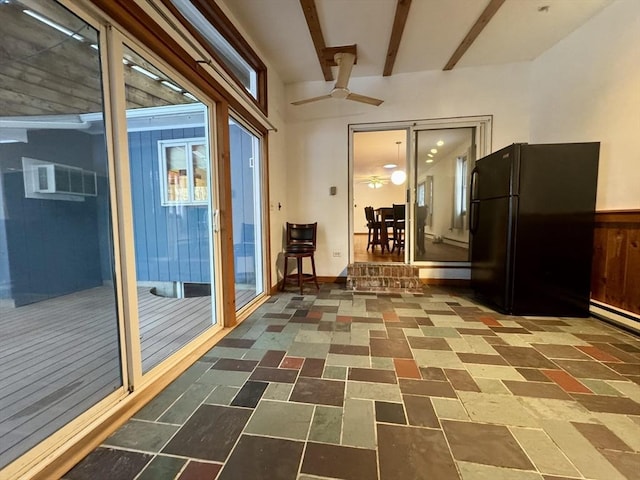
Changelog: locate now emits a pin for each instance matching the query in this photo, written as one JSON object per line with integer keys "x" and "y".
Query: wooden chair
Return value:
{"x": 398, "y": 227}
{"x": 374, "y": 227}
{"x": 301, "y": 243}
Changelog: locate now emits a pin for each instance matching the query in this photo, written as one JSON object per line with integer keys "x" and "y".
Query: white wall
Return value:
{"x": 317, "y": 155}
{"x": 363, "y": 196}
{"x": 587, "y": 88}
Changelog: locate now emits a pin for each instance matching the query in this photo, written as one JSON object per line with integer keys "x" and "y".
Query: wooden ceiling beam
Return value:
{"x": 482, "y": 22}
{"x": 399, "y": 21}
{"x": 313, "y": 23}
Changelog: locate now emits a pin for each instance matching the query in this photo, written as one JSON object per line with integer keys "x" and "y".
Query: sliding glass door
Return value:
{"x": 169, "y": 162}
{"x": 246, "y": 198}
{"x": 59, "y": 325}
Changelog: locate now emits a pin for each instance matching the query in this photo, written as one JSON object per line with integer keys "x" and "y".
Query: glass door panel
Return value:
{"x": 59, "y": 336}
{"x": 442, "y": 174}
{"x": 172, "y": 213}
{"x": 247, "y": 213}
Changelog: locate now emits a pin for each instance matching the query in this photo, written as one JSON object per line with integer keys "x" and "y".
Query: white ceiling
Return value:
{"x": 434, "y": 29}
{"x": 518, "y": 32}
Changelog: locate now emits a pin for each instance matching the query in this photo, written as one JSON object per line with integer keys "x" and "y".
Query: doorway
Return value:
{"x": 438, "y": 157}
{"x": 379, "y": 181}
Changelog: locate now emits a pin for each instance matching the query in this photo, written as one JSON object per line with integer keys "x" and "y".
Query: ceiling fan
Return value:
{"x": 374, "y": 181}
{"x": 345, "y": 61}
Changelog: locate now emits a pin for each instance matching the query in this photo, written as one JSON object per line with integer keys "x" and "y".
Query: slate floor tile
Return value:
{"x": 601, "y": 437}
{"x": 524, "y": 357}
{"x": 162, "y": 468}
{"x": 326, "y": 426}
{"x": 335, "y": 461}
{"x": 588, "y": 369}
{"x": 486, "y": 444}
{"x": 536, "y": 389}
{"x": 395, "y": 348}
{"x": 280, "y": 375}
{"x": 427, "y": 388}
{"x": 281, "y": 419}
{"x": 199, "y": 470}
{"x": 416, "y": 453}
{"x": 121, "y": 465}
{"x": 139, "y": 435}
{"x": 319, "y": 391}
{"x": 200, "y": 437}
{"x": 249, "y": 395}
{"x": 627, "y": 463}
{"x": 602, "y": 403}
{"x": 235, "y": 365}
{"x": 372, "y": 375}
{"x": 389, "y": 412}
{"x": 262, "y": 458}
{"x": 420, "y": 411}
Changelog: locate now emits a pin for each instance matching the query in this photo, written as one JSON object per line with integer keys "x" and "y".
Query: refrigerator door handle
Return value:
{"x": 474, "y": 210}
{"x": 474, "y": 176}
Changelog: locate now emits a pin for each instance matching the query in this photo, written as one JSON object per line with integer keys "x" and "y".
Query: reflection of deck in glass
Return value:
{"x": 60, "y": 356}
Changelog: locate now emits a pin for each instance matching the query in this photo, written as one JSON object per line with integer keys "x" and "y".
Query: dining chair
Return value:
{"x": 398, "y": 227}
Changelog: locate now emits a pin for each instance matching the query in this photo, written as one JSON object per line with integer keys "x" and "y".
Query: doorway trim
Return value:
{"x": 484, "y": 131}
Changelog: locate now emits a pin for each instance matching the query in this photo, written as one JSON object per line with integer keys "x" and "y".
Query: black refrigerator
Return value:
{"x": 531, "y": 220}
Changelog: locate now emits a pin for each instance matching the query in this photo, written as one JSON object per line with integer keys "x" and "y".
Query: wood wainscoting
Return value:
{"x": 615, "y": 279}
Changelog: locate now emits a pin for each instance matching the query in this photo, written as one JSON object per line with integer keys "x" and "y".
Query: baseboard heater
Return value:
{"x": 623, "y": 318}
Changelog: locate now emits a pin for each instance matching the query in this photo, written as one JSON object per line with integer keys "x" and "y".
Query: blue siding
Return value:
{"x": 172, "y": 243}
{"x": 243, "y": 203}
{"x": 52, "y": 246}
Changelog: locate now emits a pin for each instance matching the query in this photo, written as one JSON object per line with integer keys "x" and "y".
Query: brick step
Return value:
{"x": 383, "y": 277}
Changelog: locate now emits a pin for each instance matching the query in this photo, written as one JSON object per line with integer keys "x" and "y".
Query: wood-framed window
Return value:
{"x": 184, "y": 170}
{"x": 208, "y": 23}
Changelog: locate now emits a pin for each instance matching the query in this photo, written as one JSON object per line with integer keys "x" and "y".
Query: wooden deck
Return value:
{"x": 61, "y": 356}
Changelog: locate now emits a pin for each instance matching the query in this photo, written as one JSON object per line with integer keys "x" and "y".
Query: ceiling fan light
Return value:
{"x": 398, "y": 177}
{"x": 390, "y": 165}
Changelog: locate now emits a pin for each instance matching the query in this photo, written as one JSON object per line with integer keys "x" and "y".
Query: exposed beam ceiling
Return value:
{"x": 482, "y": 22}
{"x": 399, "y": 21}
{"x": 311, "y": 15}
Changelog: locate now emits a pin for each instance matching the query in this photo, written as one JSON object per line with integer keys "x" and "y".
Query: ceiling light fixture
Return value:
{"x": 430, "y": 155}
{"x": 390, "y": 165}
{"x": 398, "y": 177}
{"x": 434, "y": 150}
{"x": 192, "y": 97}
{"x": 440, "y": 143}
{"x": 53, "y": 25}
{"x": 429, "y": 160}
{"x": 171, "y": 86}
{"x": 146, "y": 72}
{"x": 375, "y": 182}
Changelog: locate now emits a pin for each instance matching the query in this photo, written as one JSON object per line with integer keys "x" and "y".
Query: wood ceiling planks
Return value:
{"x": 399, "y": 21}
{"x": 482, "y": 22}
{"x": 45, "y": 72}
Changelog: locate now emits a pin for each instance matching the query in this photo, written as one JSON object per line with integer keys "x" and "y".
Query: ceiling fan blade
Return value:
{"x": 345, "y": 63}
{"x": 309, "y": 100}
{"x": 364, "y": 99}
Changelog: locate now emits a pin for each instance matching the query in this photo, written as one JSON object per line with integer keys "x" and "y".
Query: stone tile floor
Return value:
{"x": 391, "y": 386}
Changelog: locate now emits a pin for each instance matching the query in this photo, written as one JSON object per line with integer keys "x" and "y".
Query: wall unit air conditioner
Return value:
{"x": 55, "y": 178}
{"x": 55, "y": 181}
